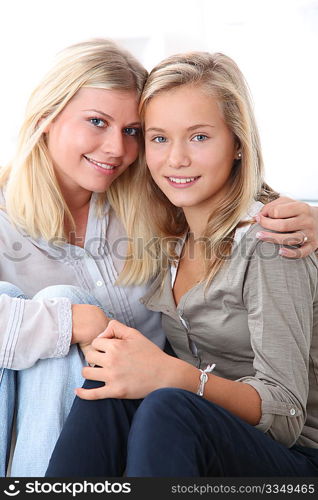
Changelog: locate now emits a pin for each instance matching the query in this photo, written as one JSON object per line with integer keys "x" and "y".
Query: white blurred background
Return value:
{"x": 275, "y": 43}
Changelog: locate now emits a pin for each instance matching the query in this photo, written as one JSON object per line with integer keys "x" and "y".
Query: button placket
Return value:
{"x": 191, "y": 343}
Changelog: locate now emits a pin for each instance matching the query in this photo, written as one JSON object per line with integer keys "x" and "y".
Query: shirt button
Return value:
{"x": 292, "y": 411}
{"x": 99, "y": 283}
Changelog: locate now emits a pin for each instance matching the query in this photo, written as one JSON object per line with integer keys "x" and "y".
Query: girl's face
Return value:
{"x": 189, "y": 148}
{"x": 94, "y": 139}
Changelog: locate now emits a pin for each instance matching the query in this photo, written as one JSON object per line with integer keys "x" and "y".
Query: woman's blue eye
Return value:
{"x": 159, "y": 139}
{"x": 200, "y": 137}
{"x": 132, "y": 131}
{"x": 97, "y": 122}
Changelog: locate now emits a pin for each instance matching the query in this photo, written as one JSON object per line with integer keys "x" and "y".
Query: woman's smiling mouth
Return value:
{"x": 101, "y": 165}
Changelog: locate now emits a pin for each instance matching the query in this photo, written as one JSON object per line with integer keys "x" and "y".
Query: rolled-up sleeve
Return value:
{"x": 278, "y": 294}
{"x": 33, "y": 329}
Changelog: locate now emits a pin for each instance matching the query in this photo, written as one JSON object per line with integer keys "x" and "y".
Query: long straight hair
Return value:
{"x": 216, "y": 75}
{"x": 34, "y": 201}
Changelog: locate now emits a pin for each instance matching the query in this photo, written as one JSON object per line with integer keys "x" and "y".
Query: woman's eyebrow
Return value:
{"x": 111, "y": 118}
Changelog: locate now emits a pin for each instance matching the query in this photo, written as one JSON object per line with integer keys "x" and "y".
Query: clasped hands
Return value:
{"x": 130, "y": 364}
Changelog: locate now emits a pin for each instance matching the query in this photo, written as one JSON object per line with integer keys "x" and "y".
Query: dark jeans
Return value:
{"x": 170, "y": 433}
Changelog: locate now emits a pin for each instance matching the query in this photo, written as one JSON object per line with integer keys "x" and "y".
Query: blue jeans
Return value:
{"x": 170, "y": 433}
{"x": 40, "y": 396}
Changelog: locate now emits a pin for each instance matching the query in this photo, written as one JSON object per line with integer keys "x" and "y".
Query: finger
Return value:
{"x": 94, "y": 357}
{"x": 103, "y": 345}
{"x": 289, "y": 239}
{"x": 117, "y": 330}
{"x": 296, "y": 253}
{"x": 91, "y": 373}
{"x": 282, "y": 200}
{"x": 90, "y": 394}
{"x": 285, "y": 210}
{"x": 288, "y": 225}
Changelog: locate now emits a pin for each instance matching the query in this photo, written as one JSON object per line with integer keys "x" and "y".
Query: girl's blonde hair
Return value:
{"x": 219, "y": 76}
{"x": 34, "y": 201}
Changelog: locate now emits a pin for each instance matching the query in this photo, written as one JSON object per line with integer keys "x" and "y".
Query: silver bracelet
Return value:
{"x": 204, "y": 378}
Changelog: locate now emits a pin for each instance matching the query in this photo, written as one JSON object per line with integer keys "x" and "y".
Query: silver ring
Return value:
{"x": 305, "y": 238}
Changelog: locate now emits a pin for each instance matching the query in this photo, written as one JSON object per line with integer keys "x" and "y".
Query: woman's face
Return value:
{"x": 94, "y": 139}
{"x": 189, "y": 148}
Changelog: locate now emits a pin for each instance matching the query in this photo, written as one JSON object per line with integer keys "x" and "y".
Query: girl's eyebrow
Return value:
{"x": 193, "y": 127}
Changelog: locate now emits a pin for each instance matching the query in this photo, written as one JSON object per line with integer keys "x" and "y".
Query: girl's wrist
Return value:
{"x": 183, "y": 375}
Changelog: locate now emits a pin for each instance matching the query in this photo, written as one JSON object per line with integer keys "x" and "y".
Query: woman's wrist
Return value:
{"x": 88, "y": 321}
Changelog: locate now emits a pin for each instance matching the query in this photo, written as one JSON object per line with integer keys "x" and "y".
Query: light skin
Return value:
{"x": 186, "y": 138}
{"x": 101, "y": 125}
{"x": 92, "y": 142}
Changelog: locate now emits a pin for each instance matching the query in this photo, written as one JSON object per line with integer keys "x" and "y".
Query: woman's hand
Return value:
{"x": 87, "y": 323}
{"x": 130, "y": 365}
{"x": 297, "y": 223}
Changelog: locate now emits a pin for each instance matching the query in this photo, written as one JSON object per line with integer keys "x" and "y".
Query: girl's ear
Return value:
{"x": 238, "y": 150}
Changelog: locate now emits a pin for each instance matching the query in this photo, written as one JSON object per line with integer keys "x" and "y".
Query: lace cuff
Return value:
{"x": 65, "y": 328}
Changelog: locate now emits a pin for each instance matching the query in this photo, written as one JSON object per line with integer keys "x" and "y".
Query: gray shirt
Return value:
{"x": 35, "y": 329}
{"x": 258, "y": 321}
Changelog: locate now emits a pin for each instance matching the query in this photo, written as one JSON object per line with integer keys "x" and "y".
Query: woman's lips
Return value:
{"x": 105, "y": 168}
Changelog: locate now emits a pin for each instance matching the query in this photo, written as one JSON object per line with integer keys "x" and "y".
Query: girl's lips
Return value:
{"x": 105, "y": 168}
{"x": 182, "y": 182}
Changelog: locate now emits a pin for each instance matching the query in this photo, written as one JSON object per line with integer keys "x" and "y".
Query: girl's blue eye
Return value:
{"x": 200, "y": 137}
{"x": 132, "y": 131}
{"x": 97, "y": 122}
{"x": 159, "y": 139}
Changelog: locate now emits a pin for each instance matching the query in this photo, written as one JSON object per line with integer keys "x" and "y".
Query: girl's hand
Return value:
{"x": 297, "y": 223}
{"x": 130, "y": 365}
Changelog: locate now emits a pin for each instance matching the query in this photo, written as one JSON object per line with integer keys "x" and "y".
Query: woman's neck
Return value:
{"x": 79, "y": 208}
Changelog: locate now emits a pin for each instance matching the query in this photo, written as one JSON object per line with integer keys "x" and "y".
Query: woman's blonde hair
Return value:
{"x": 34, "y": 201}
{"x": 219, "y": 76}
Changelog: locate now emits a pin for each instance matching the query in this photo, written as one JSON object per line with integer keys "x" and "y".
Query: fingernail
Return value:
{"x": 260, "y": 235}
{"x": 283, "y": 251}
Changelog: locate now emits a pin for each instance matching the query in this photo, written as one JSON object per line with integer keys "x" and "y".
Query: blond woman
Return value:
{"x": 240, "y": 398}
{"x": 62, "y": 244}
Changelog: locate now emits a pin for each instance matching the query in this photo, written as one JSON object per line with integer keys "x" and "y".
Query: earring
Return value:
{"x": 239, "y": 155}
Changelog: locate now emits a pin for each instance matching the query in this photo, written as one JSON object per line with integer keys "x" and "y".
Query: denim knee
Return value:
{"x": 74, "y": 293}
{"x": 7, "y": 288}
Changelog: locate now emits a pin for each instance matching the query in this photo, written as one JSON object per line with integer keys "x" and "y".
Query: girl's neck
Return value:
{"x": 197, "y": 221}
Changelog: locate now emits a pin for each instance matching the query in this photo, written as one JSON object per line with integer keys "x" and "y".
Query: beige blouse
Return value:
{"x": 258, "y": 322}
